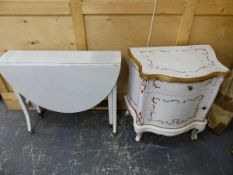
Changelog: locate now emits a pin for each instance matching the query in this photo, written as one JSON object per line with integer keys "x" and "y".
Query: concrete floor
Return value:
{"x": 83, "y": 143}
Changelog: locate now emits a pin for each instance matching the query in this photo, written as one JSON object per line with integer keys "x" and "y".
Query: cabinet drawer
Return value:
{"x": 181, "y": 87}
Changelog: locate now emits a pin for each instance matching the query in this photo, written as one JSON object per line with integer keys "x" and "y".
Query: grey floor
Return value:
{"x": 83, "y": 143}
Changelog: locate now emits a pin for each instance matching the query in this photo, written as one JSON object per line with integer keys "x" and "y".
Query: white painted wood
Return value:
{"x": 110, "y": 107}
{"x": 25, "y": 109}
{"x": 181, "y": 88}
{"x": 60, "y": 57}
{"x": 194, "y": 134}
{"x": 38, "y": 110}
{"x": 171, "y": 108}
{"x": 66, "y": 87}
{"x": 180, "y": 61}
{"x": 114, "y": 108}
{"x": 138, "y": 137}
{"x": 139, "y": 129}
{"x": 63, "y": 81}
{"x": 62, "y": 88}
{"x": 134, "y": 85}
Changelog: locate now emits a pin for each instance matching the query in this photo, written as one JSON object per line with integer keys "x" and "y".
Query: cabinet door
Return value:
{"x": 170, "y": 110}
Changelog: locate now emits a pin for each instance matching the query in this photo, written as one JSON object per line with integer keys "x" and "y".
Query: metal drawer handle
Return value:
{"x": 204, "y": 108}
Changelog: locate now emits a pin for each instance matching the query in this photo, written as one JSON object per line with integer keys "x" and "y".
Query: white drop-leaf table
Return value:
{"x": 172, "y": 88}
{"x": 63, "y": 81}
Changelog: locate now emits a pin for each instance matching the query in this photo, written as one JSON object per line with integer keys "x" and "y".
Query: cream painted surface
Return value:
{"x": 180, "y": 62}
{"x": 171, "y": 108}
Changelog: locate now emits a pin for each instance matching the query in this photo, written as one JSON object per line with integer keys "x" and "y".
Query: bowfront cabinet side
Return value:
{"x": 169, "y": 93}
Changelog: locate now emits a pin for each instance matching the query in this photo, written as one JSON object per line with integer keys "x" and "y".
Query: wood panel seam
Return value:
{"x": 78, "y": 23}
{"x": 186, "y": 23}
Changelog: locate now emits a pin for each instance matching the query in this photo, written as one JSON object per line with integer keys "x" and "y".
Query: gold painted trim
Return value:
{"x": 174, "y": 79}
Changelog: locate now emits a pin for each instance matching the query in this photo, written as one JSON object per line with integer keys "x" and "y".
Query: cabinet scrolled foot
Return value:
{"x": 194, "y": 134}
{"x": 138, "y": 137}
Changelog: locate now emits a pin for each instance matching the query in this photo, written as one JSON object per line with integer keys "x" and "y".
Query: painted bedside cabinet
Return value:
{"x": 63, "y": 81}
{"x": 171, "y": 89}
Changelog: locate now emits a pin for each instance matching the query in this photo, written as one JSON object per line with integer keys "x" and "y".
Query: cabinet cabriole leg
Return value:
{"x": 138, "y": 137}
{"x": 194, "y": 134}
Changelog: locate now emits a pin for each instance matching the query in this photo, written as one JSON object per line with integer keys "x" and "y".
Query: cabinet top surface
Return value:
{"x": 179, "y": 62}
{"x": 60, "y": 57}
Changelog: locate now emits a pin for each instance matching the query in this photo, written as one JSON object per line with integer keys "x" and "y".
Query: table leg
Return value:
{"x": 38, "y": 110}
{"x": 114, "y": 109}
{"x": 25, "y": 109}
{"x": 110, "y": 111}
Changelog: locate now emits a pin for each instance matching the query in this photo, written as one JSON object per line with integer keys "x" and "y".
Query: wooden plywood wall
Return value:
{"x": 113, "y": 25}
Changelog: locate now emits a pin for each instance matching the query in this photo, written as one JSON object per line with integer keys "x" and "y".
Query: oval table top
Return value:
{"x": 62, "y": 81}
